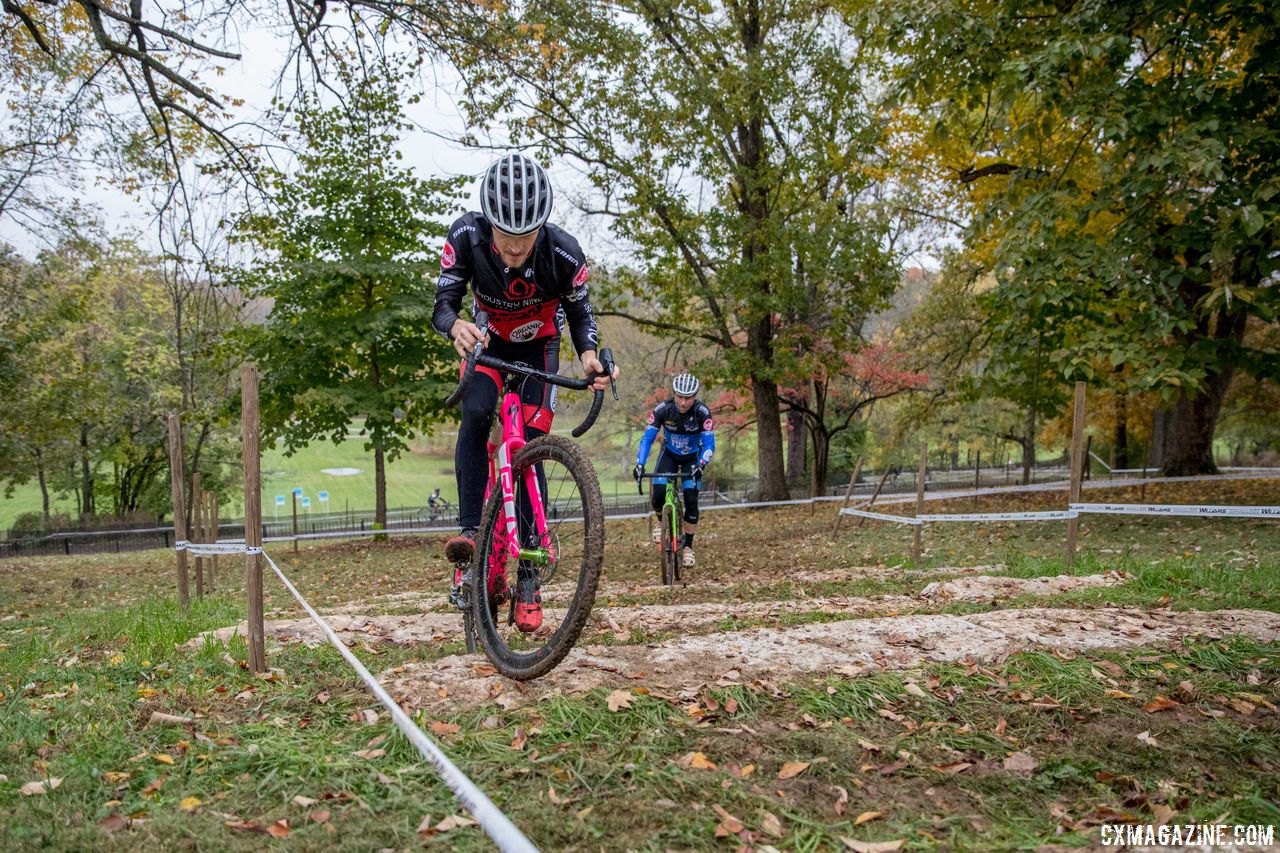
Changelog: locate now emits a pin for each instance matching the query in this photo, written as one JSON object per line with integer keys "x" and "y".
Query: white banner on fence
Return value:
{"x": 879, "y": 516}
{"x": 1197, "y": 510}
{"x": 1048, "y": 515}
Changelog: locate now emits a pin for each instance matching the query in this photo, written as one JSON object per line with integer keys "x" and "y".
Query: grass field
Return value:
{"x": 1030, "y": 750}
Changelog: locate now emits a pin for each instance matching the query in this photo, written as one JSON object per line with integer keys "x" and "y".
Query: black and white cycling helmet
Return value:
{"x": 686, "y": 385}
{"x": 515, "y": 195}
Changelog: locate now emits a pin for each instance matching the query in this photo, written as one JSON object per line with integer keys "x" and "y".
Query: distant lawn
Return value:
{"x": 410, "y": 478}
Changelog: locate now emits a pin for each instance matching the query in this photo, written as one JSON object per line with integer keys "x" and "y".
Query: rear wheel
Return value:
{"x": 567, "y": 561}
{"x": 670, "y": 566}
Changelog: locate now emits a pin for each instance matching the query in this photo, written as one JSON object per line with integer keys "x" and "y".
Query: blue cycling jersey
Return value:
{"x": 688, "y": 434}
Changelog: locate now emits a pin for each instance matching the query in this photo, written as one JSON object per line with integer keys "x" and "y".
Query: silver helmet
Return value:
{"x": 686, "y": 385}
{"x": 515, "y": 195}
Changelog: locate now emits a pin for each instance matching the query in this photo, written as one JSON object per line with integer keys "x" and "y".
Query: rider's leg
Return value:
{"x": 666, "y": 465}
{"x": 690, "y": 520}
{"x": 471, "y": 462}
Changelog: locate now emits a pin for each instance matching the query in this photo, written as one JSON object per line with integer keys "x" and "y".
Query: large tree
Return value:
{"x": 346, "y": 254}
{"x": 1120, "y": 160}
{"x": 733, "y": 145}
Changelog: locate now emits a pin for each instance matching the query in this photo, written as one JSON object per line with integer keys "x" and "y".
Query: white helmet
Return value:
{"x": 515, "y": 195}
{"x": 686, "y": 385}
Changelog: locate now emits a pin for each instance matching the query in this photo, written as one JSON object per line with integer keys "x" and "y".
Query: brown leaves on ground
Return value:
{"x": 619, "y": 699}
{"x": 695, "y": 761}
{"x": 792, "y": 769}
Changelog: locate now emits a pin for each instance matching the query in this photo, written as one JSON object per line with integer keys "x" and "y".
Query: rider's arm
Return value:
{"x": 708, "y": 436}
{"x": 646, "y": 440}
{"x": 455, "y": 272}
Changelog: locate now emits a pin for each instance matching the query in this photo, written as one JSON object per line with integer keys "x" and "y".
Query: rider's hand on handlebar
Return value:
{"x": 592, "y": 367}
{"x": 465, "y": 336}
{"x": 637, "y": 472}
{"x": 697, "y": 472}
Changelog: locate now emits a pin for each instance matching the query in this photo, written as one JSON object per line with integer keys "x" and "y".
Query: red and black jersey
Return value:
{"x": 524, "y": 304}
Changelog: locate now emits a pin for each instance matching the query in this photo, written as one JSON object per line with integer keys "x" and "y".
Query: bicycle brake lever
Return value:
{"x": 606, "y": 360}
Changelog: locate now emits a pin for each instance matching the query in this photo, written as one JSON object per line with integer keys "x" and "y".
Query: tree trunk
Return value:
{"x": 1121, "y": 457}
{"x": 86, "y": 473}
{"x": 797, "y": 445}
{"x": 1194, "y": 419}
{"x": 44, "y": 487}
{"x": 1029, "y": 447}
{"x": 772, "y": 478}
{"x": 821, "y": 455}
{"x": 380, "y": 487}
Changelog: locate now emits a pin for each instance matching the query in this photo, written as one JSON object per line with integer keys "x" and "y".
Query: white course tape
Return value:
{"x": 879, "y": 516}
{"x": 1199, "y": 510}
{"x": 496, "y": 825}
{"x": 1049, "y": 515}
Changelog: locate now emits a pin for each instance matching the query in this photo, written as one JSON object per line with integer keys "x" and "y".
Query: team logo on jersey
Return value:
{"x": 448, "y": 258}
{"x": 527, "y": 332}
{"x": 581, "y": 278}
{"x": 651, "y": 417}
{"x": 706, "y": 425}
{"x": 519, "y": 289}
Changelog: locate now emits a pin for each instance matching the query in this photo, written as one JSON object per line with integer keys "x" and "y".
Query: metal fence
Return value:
{"x": 359, "y": 522}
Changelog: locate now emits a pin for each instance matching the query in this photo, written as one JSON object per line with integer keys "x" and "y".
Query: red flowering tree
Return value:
{"x": 840, "y": 390}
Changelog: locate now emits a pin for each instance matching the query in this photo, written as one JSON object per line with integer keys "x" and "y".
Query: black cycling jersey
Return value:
{"x": 523, "y": 304}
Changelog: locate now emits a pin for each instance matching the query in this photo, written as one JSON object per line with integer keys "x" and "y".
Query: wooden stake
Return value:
{"x": 875, "y": 494}
{"x": 924, "y": 467}
{"x": 176, "y": 474}
{"x": 249, "y": 424}
{"x": 848, "y": 493}
{"x": 197, "y": 528}
{"x": 1077, "y": 469}
{"x": 213, "y": 527}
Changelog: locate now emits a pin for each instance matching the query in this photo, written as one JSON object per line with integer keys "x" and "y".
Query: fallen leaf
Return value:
{"x": 189, "y": 804}
{"x": 1162, "y": 813}
{"x": 619, "y": 699}
{"x": 454, "y": 821}
{"x": 163, "y": 758}
{"x": 1020, "y": 762}
{"x": 866, "y": 817}
{"x": 915, "y": 690}
{"x": 842, "y": 801}
{"x": 771, "y": 825}
{"x": 114, "y": 822}
{"x": 518, "y": 742}
{"x": 1160, "y": 703}
{"x": 1146, "y": 738}
{"x": 695, "y": 761}
{"x": 731, "y": 706}
{"x": 442, "y": 728}
{"x": 159, "y": 718}
{"x": 953, "y": 768}
{"x": 43, "y": 786}
{"x": 792, "y": 769}
{"x": 279, "y": 829}
{"x": 872, "y": 846}
{"x": 304, "y": 801}
{"x": 153, "y": 787}
{"x": 322, "y": 697}
{"x": 369, "y": 754}
{"x": 729, "y": 825}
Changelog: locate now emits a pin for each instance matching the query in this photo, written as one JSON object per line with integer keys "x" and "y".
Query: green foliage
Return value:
{"x": 1120, "y": 163}
{"x": 735, "y": 148}
{"x": 345, "y": 256}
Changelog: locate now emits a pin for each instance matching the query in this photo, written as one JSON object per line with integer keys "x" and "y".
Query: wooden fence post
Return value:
{"x": 1077, "y": 469}
{"x": 848, "y": 493}
{"x": 213, "y": 534}
{"x": 924, "y": 468}
{"x": 249, "y": 424}
{"x": 197, "y": 528}
{"x": 176, "y": 474}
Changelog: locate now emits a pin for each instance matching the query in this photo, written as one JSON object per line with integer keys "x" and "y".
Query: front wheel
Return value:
{"x": 560, "y": 559}
{"x": 670, "y": 567}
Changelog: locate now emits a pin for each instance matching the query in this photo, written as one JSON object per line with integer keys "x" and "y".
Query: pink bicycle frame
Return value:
{"x": 506, "y": 539}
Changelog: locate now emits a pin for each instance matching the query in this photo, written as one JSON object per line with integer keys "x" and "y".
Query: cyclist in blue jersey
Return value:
{"x": 689, "y": 441}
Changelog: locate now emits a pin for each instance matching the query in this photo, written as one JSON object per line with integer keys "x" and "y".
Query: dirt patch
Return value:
{"x": 436, "y": 627}
{"x": 852, "y": 647}
{"x": 985, "y": 587}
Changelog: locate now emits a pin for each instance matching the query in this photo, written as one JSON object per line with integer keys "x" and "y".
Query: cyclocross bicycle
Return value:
{"x": 671, "y": 521}
{"x": 543, "y": 514}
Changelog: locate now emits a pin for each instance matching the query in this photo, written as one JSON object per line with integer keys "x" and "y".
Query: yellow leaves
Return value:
{"x": 189, "y": 804}
{"x": 163, "y": 758}
{"x": 792, "y": 769}
{"x": 695, "y": 761}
